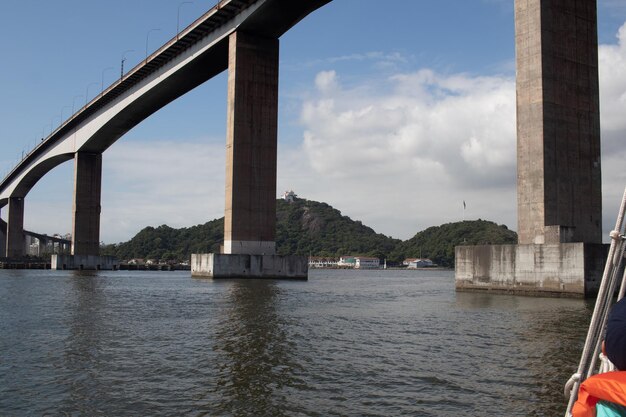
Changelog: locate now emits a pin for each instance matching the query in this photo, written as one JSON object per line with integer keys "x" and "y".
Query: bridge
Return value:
{"x": 45, "y": 244}
{"x": 559, "y": 187}
{"x": 240, "y": 35}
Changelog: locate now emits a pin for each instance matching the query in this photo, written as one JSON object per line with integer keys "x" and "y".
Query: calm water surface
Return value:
{"x": 345, "y": 343}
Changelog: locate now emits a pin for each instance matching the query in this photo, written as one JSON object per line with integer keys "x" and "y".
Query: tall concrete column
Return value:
{"x": 15, "y": 228}
{"x": 558, "y": 122}
{"x": 86, "y": 208}
{"x": 3, "y": 238}
{"x": 250, "y": 215}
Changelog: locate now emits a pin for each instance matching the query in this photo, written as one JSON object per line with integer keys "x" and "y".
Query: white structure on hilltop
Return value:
{"x": 289, "y": 196}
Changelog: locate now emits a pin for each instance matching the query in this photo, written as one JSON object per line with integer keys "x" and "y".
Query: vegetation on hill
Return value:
{"x": 307, "y": 227}
{"x": 167, "y": 243}
{"x": 437, "y": 243}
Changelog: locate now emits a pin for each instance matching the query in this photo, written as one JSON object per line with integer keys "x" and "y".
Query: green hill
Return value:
{"x": 167, "y": 243}
{"x": 303, "y": 228}
{"x": 307, "y": 227}
{"x": 437, "y": 243}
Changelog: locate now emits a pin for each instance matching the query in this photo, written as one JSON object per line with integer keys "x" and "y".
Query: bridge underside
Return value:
{"x": 196, "y": 55}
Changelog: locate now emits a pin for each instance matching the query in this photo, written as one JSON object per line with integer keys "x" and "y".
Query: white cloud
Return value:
{"x": 326, "y": 81}
{"x": 403, "y": 154}
{"x": 612, "y": 67}
{"x": 147, "y": 183}
{"x": 144, "y": 183}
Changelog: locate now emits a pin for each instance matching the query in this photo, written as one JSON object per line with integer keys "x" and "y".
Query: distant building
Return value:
{"x": 34, "y": 246}
{"x": 289, "y": 196}
{"x": 322, "y": 262}
{"x": 366, "y": 263}
{"x": 358, "y": 262}
{"x": 418, "y": 263}
{"x": 347, "y": 262}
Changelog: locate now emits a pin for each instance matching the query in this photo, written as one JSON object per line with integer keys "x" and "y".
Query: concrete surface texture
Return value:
{"x": 251, "y": 133}
{"x": 558, "y": 160}
{"x": 86, "y": 208}
{"x": 15, "y": 228}
{"x": 562, "y": 269}
{"x": 558, "y": 122}
{"x": 214, "y": 265}
{"x": 84, "y": 262}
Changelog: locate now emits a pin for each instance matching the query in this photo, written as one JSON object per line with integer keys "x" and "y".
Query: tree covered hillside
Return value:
{"x": 168, "y": 243}
{"x": 303, "y": 228}
{"x": 437, "y": 243}
{"x": 307, "y": 227}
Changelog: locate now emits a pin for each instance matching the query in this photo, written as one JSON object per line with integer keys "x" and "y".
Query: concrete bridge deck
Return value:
{"x": 198, "y": 53}
{"x": 195, "y": 55}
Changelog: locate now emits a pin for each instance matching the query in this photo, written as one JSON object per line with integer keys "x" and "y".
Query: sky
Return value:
{"x": 395, "y": 113}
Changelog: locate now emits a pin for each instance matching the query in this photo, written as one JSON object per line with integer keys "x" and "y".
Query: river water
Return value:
{"x": 344, "y": 343}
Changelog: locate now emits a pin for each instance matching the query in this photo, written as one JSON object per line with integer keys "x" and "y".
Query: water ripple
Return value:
{"x": 346, "y": 343}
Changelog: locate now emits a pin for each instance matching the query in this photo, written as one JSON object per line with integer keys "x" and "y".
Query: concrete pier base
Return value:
{"x": 84, "y": 262}
{"x": 216, "y": 265}
{"x": 560, "y": 270}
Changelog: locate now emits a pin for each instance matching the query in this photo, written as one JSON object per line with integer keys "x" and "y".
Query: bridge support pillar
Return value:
{"x": 15, "y": 228}
{"x": 558, "y": 152}
{"x": 251, "y": 135}
{"x": 85, "y": 248}
{"x": 86, "y": 207}
{"x": 3, "y": 238}
{"x": 252, "y": 128}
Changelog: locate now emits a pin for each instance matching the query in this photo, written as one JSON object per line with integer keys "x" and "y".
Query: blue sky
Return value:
{"x": 394, "y": 115}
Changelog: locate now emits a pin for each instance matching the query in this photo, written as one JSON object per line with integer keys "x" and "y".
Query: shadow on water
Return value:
{"x": 255, "y": 361}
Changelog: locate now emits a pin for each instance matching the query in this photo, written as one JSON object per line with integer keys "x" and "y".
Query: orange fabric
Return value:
{"x": 610, "y": 386}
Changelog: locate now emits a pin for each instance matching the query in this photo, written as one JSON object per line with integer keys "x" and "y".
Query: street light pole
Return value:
{"x": 65, "y": 107}
{"x": 124, "y": 60}
{"x": 102, "y": 83}
{"x": 74, "y": 102}
{"x": 147, "y": 38}
{"x": 178, "y": 17}
{"x": 87, "y": 92}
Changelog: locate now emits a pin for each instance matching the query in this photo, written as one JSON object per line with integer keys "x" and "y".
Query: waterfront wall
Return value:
{"x": 565, "y": 269}
{"x": 84, "y": 262}
{"x": 215, "y": 265}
